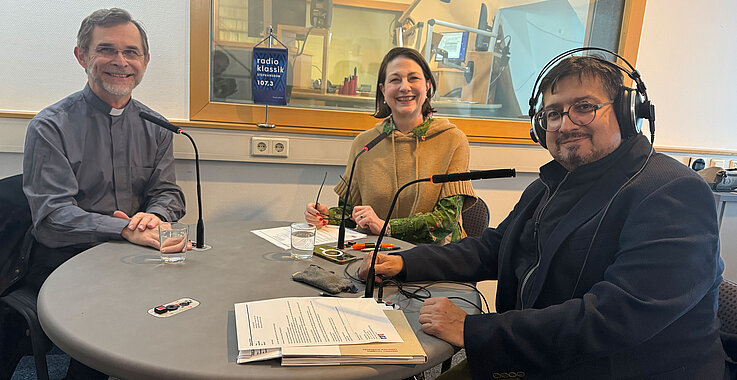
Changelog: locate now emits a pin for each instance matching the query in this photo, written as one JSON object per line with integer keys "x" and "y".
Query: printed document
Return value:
{"x": 280, "y": 236}
{"x": 264, "y": 327}
{"x": 408, "y": 352}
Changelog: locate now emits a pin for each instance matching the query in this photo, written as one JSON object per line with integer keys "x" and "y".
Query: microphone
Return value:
{"x": 160, "y": 122}
{"x": 438, "y": 178}
{"x": 474, "y": 175}
{"x": 375, "y": 141}
{"x": 165, "y": 124}
{"x": 371, "y": 144}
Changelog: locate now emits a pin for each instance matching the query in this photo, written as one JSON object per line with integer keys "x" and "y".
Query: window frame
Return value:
{"x": 206, "y": 113}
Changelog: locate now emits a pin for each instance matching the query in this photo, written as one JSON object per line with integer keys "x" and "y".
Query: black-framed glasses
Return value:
{"x": 109, "y": 52}
{"x": 581, "y": 113}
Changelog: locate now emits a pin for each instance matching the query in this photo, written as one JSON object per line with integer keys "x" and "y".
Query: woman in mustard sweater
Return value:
{"x": 418, "y": 146}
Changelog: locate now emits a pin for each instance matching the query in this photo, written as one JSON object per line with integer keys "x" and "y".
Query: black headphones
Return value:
{"x": 630, "y": 105}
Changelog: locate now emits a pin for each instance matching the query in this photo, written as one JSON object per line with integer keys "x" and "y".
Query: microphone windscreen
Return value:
{"x": 470, "y": 176}
{"x": 375, "y": 141}
{"x": 159, "y": 122}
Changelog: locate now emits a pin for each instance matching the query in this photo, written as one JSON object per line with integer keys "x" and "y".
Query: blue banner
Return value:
{"x": 269, "y": 76}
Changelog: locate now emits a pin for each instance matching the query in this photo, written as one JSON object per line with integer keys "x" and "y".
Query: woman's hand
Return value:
{"x": 317, "y": 215}
{"x": 366, "y": 218}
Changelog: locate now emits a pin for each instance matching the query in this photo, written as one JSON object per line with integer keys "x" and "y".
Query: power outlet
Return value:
{"x": 280, "y": 147}
{"x": 269, "y": 146}
{"x": 720, "y": 162}
{"x": 260, "y": 146}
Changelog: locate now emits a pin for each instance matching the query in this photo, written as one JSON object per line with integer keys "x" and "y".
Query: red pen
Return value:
{"x": 360, "y": 246}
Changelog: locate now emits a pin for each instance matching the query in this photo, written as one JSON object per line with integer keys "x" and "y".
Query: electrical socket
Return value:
{"x": 720, "y": 162}
{"x": 280, "y": 147}
{"x": 269, "y": 146}
{"x": 260, "y": 146}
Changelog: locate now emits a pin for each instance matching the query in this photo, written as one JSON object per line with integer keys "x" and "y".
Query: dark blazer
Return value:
{"x": 645, "y": 305}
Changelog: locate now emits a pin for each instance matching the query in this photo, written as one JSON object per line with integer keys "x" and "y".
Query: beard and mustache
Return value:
{"x": 570, "y": 156}
{"x": 97, "y": 73}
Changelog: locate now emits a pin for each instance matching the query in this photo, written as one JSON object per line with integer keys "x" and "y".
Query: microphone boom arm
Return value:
{"x": 200, "y": 224}
{"x": 369, "y": 293}
{"x": 341, "y": 229}
{"x": 438, "y": 178}
{"x": 200, "y": 243}
{"x": 371, "y": 144}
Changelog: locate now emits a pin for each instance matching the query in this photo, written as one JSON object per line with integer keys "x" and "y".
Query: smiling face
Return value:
{"x": 405, "y": 91}
{"x": 113, "y": 78}
{"x": 574, "y": 145}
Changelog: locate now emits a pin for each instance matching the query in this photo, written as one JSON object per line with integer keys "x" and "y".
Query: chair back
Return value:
{"x": 15, "y": 221}
{"x": 727, "y": 311}
{"x": 476, "y": 218}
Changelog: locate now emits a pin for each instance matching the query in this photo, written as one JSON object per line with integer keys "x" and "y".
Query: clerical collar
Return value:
{"x": 100, "y": 104}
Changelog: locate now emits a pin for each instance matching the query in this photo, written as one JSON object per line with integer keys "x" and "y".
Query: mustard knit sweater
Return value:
{"x": 400, "y": 158}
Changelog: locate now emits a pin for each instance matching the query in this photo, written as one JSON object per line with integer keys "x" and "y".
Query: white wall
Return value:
{"x": 687, "y": 59}
{"x": 38, "y": 66}
{"x": 38, "y": 69}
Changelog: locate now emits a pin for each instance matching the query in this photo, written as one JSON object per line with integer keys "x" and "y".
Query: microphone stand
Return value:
{"x": 438, "y": 178}
{"x": 369, "y": 293}
{"x": 371, "y": 144}
{"x": 341, "y": 229}
{"x": 200, "y": 244}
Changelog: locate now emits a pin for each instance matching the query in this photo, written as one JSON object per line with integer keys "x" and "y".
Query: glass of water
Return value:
{"x": 173, "y": 242}
{"x": 303, "y": 240}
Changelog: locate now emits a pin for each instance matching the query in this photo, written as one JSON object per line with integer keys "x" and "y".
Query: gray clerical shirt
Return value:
{"x": 84, "y": 159}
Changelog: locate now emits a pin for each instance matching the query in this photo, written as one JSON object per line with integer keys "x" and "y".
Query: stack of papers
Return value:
{"x": 325, "y": 331}
{"x": 280, "y": 236}
{"x": 407, "y": 352}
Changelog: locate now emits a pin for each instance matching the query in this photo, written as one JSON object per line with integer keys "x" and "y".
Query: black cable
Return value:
{"x": 345, "y": 271}
{"x": 304, "y": 42}
{"x": 421, "y": 292}
{"x": 418, "y": 288}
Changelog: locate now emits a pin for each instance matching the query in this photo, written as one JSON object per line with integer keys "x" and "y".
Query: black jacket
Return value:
{"x": 645, "y": 305}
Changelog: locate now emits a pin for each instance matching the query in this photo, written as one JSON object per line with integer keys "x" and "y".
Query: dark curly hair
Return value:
{"x": 588, "y": 66}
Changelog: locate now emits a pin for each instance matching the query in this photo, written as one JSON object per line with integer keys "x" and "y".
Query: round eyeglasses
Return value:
{"x": 109, "y": 52}
{"x": 582, "y": 114}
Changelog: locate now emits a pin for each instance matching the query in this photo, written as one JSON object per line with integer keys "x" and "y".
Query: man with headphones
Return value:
{"x": 608, "y": 266}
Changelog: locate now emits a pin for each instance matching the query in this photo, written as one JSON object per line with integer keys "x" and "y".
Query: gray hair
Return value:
{"x": 106, "y": 18}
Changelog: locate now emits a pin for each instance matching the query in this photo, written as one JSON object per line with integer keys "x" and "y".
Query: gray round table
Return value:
{"x": 94, "y": 307}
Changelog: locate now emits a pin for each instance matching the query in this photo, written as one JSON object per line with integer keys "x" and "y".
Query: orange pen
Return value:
{"x": 371, "y": 245}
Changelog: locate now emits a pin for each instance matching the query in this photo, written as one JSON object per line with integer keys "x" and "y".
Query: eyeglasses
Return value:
{"x": 582, "y": 114}
{"x": 128, "y": 54}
